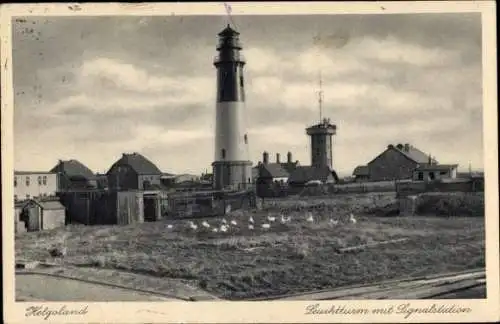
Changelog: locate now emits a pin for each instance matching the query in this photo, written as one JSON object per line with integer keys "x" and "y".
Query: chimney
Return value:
{"x": 407, "y": 147}
{"x": 430, "y": 159}
{"x": 277, "y": 158}
{"x": 265, "y": 158}
{"x": 400, "y": 147}
{"x": 289, "y": 157}
{"x": 390, "y": 146}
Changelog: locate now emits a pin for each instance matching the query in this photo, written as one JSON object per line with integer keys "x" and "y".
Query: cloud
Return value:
{"x": 95, "y": 87}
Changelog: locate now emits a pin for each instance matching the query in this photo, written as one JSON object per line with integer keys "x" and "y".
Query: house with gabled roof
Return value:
{"x": 134, "y": 172}
{"x": 74, "y": 175}
{"x": 361, "y": 173}
{"x": 274, "y": 171}
{"x": 399, "y": 162}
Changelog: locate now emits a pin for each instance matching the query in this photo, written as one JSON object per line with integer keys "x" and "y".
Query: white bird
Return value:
{"x": 233, "y": 222}
{"x": 250, "y": 226}
{"x": 223, "y": 228}
{"x": 250, "y": 220}
{"x": 205, "y": 224}
{"x": 224, "y": 221}
{"x": 271, "y": 219}
{"x": 170, "y": 226}
{"x": 310, "y": 218}
{"x": 352, "y": 219}
{"x": 193, "y": 225}
{"x": 215, "y": 230}
{"x": 285, "y": 219}
{"x": 333, "y": 221}
{"x": 266, "y": 226}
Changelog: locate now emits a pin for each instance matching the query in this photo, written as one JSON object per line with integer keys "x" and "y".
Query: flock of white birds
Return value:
{"x": 223, "y": 225}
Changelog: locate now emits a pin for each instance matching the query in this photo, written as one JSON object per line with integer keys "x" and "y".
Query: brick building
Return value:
{"x": 398, "y": 162}
{"x": 134, "y": 172}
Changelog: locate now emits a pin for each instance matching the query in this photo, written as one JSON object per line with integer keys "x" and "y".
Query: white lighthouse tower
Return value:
{"x": 231, "y": 166}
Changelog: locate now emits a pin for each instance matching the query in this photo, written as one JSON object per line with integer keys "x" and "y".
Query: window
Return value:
{"x": 420, "y": 176}
{"x": 241, "y": 81}
{"x": 431, "y": 175}
{"x": 27, "y": 181}
{"x": 39, "y": 180}
{"x": 15, "y": 181}
{"x": 223, "y": 153}
{"x": 443, "y": 173}
{"x": 44, "y": 180}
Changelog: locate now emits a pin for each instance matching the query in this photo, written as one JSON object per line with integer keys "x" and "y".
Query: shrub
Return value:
{"x": 451, "y": 204}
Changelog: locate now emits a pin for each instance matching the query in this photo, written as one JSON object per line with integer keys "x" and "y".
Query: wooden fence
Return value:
{"x": 208, "y": 203}
{"x": 401, "y": 187}
{"x": 100, "y": 207}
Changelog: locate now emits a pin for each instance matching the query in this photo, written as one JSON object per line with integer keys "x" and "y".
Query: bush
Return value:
{"x": 451, "y": 204}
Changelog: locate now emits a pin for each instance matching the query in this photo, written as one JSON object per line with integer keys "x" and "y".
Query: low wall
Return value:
{"x": 460, "y": 185}
{"x": 451, "y": 204}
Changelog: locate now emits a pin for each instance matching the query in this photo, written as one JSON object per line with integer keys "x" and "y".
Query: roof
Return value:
{"x": 138, "y": 163}
{"x": 228, "y": 32}
{"x": 273, "y": 170}
{"x": 187, "y": 176}
{"x": 413, "y": 154}
{"x": 303, "y": 174}
{"x": 32, "y": 172}
{"x": 323, "y": 126}
{"x": 416, "y": 155}
{"x": 361, "y": 170}
{"x": 436, "y": 167}
{"x": 289, "y": 166}
{"x": 51, "y": 204}
{"x": 255, "y": 172}
{"x": 74, "y": 169}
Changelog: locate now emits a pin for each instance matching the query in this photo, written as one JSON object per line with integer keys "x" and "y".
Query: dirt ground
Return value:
{"x": 293, "y": 257}
{"x": 40, "y": 287}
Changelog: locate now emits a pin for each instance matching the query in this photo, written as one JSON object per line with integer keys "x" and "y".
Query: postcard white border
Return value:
{"x": 246, "y": 312}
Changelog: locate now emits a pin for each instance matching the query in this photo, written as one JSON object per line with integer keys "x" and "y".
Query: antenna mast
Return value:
{"x": 320, "y": 97}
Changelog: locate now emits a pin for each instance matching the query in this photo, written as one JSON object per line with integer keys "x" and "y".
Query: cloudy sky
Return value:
{"x": 91, "y": 88}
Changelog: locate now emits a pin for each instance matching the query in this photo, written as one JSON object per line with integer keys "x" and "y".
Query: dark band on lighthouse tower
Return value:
{"x": 231, "y": 166}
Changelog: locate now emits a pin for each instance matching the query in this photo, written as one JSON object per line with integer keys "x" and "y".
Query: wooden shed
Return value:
{"x": 40, "y": 215}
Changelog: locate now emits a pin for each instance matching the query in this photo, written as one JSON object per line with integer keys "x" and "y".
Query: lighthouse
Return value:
{"x": 232, "y": 166}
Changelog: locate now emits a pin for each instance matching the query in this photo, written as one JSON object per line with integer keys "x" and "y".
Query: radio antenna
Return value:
{"x": 320, "y": 97}
{"x": 229, "y": 11}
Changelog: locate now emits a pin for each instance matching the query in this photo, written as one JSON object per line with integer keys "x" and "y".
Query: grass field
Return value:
{"x": 293, "y": 257}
